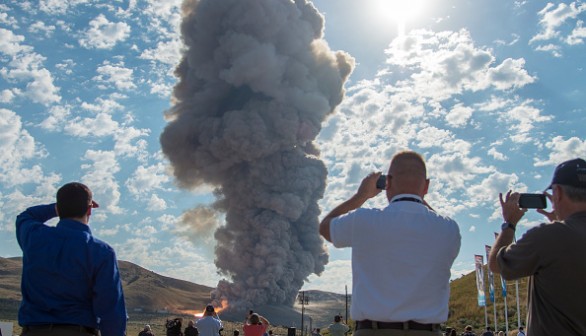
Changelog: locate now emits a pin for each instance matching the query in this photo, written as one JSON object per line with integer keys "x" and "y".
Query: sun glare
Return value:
{"x": 398, "y": 12}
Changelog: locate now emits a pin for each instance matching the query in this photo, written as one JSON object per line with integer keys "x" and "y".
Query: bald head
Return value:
{"x": 407, "y": 175}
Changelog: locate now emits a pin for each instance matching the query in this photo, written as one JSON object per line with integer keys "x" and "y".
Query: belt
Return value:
{"x": 408, "y": 325}
{"x": 92, "y": 331}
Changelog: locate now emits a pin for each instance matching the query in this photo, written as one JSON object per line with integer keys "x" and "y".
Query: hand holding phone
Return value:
{"x": 381, "y": 183}
{"x": 532, "y": 201}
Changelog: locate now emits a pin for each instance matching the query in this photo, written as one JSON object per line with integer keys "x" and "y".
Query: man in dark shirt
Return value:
{"x": 190, "y": 330}
{"x": 70, "y": 280}
{"x": 551, "y": 254}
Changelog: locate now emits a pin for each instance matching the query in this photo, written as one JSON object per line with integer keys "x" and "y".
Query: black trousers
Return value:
{"x": 58, "y": 330}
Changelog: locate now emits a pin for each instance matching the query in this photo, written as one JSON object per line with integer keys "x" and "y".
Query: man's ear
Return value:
{"x": 426, "y": 187}
{"x": 89, "y": 211}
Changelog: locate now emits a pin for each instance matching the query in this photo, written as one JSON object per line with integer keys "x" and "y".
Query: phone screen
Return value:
{"x": 381, "y": 183}
{"x": 532, "y": 201}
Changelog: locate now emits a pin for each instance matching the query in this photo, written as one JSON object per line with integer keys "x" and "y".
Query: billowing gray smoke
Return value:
{"x": 255, "y": 83}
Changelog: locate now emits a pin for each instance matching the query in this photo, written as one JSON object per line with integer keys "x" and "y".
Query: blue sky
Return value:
{"x": 490, "y": 92}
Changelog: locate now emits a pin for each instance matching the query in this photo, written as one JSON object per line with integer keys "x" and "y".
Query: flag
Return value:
{"x": 490, "y": 277}
{"x": 503, "y": 282}
{"x": 478, "y": 261}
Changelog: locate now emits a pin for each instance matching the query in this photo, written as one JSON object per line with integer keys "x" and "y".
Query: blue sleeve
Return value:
{"x": 108, "y": 297}
{"x": 32, "y": 219}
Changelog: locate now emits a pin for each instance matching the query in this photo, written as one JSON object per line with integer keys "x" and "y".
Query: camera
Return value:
{"x": 532, "y": 201}
{"x": 381, "y": 183}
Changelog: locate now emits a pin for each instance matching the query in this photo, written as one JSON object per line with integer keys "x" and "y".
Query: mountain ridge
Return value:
{"x": 150, "y": 294}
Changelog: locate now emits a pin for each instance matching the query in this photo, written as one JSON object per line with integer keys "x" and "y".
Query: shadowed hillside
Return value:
{"x": 149, "y": 294}
{"x": 153, "y": 297}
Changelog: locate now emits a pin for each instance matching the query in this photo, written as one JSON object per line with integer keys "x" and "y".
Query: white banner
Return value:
{"x": 478, "y": 262}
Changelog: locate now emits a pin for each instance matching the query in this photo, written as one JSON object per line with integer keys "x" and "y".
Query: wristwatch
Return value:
{"x": 507, "y": 225}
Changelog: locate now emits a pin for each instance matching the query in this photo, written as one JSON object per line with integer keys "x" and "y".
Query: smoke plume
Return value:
{"x": 256, "y": 81}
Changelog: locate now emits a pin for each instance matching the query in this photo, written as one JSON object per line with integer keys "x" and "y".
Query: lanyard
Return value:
{"x": 408, "y": 199}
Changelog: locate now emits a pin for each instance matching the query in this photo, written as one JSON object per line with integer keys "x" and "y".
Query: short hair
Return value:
{"x": 414, "y": 157}
{"x": 254, "y": 319}
{"x": 73, "y": 200}
{"x": 337, "y": 318}
{"x": 575, "y": 194}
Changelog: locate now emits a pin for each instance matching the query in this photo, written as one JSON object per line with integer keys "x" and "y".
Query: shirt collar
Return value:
{"x": 73, "y": 225}
{"x": 405, "y": 195}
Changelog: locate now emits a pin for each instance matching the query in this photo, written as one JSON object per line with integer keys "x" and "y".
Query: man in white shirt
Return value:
{"x": 338, "y": 328}
{"x": 401, "y": 255}
{"x": 210, "y": 324}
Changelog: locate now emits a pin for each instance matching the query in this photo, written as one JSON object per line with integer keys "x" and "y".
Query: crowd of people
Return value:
{"x": 401, "y": 260}
{"x": 257, "y": 325}
{"x": 469, "y": 331}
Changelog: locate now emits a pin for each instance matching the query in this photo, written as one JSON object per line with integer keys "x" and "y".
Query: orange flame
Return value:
{"x": 199, "y": 314}
{"x": 223, "y": 306}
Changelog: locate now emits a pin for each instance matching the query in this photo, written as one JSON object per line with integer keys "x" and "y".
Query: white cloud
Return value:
{"x": 26, "y": 66}
{"x": 59, "y": 6}
{"x": 16, "y": 146}
{"x": 129, "y": 143}
{"x": 522, "y": 119}
{"x": 554, "y": 21}
{"x": 106, "y": 231}
{"x": 167, "y": 52}
{"x": 147, "y": 179}
{"x": 100, "y": 177}
{"x": 41, "y": 89}
{"x": 40, "y": 27}
{"x": 156, "y": 203}
{"x": 100, "y": 126}
{"x": 509, "y": 74}
{"x": 66, "y": 66}
{"x": 578, "y": 34}
{"x": 555, "y": 50}
{"x": 105, "y": 105}
{"x": 104, "y": 34}
{"x": 433, "y": 137}
{"x": 337, "y": 274}
{"x": 552, "y": 18}
{"x": 486, "y": 192}
{"x": 455, "y": 168}
{"x": 177, "y": 258}
{"x": 459, "y": 115}
{"x": 562, "y": 150}
{"x": 449, "y": 63}
{"x": 10, "y": 44}
{"x": 496, "y": 154}
{"x": 6, "y": 96}
{"x": 167, "y": 221}
{"x": 7, "y": 20}
{"x": 58, "y": 115}
{"x": 115, "y": 74}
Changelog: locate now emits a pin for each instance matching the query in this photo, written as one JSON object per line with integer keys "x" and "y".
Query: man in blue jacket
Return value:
{"x": 70, "y": 280}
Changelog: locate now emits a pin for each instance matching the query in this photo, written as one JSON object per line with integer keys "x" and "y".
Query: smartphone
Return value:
{"x": 381, "y": 183}
{"x": 532, "y": 201}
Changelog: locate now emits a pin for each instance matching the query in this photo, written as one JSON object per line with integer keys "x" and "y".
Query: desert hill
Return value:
{"x": 149, "y": 295}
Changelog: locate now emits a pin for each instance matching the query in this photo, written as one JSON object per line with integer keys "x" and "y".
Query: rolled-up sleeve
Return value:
{"x": 341, "y": 229}
{"x": 521, "y": 259}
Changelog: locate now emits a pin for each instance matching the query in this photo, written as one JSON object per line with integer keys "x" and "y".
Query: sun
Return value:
{"x": 398, "y": 12}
